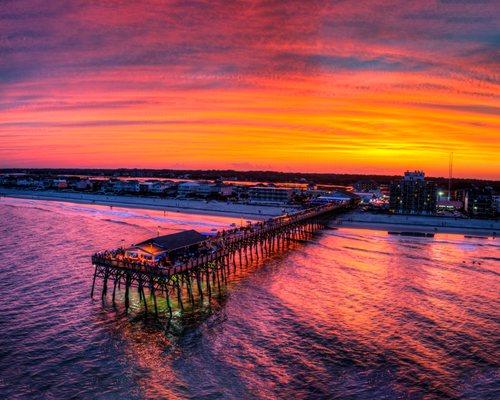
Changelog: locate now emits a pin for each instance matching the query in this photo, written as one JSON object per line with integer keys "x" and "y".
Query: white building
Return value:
{"x": 154, "y": 186}
{"x": 83, "y": 184}
{"x": 126, "y": 186}
{"x": 202, "y": 189}
{"x": 336, "y": 196}
{"x": 160, "y": 186}
{"x": 269, "y": 195}
{"x": 24, "y": 181}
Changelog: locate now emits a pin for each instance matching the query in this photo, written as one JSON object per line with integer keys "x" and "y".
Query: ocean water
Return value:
{"x": 354, "y": 314}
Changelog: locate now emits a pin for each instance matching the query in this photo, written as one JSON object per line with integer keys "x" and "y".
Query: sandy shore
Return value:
{"x": 416, "y": 223}
{"x": 186, "y": 206}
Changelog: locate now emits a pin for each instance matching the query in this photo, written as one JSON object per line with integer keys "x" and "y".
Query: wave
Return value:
{"x": 490, "y": 258}
{"x": 479, "y": 269}
{"x": 417, "y": 257}
{"x": 115, "y": 221}
{"x": 367, "y": 251}
{"x": 344, "y": 236}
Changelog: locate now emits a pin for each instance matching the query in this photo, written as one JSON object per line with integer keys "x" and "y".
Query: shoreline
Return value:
{"x": 199, "y": 207}
{"x": 415, "y": 223}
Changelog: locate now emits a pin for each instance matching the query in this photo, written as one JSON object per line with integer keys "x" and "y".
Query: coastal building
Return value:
{"x": 413, "y": 194}
{"x": 449, "y": 205}
{"x": 145, "y": 187}
{"x": 155, "y": 186}
{"x": 337, "y": 196}
{"x": 157, "y": 248}
{"x": 128, "y": 186}
{"x": 83, "y": 184}
{"x": 385, "y": 190}
{"x": 200, "y": 189}
{"x": 269, "y": 195}
{"x": 43, "y": 184}
{"x": 313, "y": 195}
{"x": 225, "y": 190}
{"x": 25, "y": 182}
{"x": 366, "y": 197}
{"x": 366, "y": 186}
{"x": 480, "y": 203}
{"x": 60, "y": 184}
{"x": 203, "y": 189}
{"x": 160, "y": 186}
{"x": 459, "y": 195}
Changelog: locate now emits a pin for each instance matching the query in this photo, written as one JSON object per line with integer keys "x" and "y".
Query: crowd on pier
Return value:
{"x": 180, "y": 257}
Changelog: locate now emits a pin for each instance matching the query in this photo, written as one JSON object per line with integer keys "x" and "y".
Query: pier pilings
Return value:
{"x": 200, "y": 277}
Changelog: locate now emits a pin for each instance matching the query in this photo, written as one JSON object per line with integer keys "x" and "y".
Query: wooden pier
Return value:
{"x": 201, "y": 274}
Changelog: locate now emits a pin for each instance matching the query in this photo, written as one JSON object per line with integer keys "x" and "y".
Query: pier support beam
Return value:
{"x": 179, "y": 295}
{"x": 115, "y": 282}
{"x": 167, "y": 297}
{"x": 93, "y": 283}
{"x": 210, "y": 266}
{"x": 127, "y": 291}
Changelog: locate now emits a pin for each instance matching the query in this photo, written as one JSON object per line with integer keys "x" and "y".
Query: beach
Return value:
{"x": 238, "y": 210}
{"x": 356, "y": 219}
{"x": 419, "y": 223}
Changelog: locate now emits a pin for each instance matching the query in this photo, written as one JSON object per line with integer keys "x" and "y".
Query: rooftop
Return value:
{"x": 174, "y": 241}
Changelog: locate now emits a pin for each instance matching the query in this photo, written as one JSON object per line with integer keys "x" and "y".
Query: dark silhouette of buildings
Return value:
{"x": 412, "y": 194}
{"x": 366, "y": 185}
{"x": 480, "y": 202}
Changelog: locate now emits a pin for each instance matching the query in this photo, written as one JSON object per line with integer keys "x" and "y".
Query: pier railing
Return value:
{"x": 218, "y": 246}
{"x": 207, "y": 266}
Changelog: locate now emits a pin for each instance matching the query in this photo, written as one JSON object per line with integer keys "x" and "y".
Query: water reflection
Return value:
{"x": 351, "y": 314}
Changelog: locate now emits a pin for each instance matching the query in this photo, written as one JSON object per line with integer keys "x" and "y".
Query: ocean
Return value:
{"x": 351, "y": 314}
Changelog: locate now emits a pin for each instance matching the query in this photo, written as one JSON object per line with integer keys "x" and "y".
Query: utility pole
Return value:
{"x": 450, "y": 174}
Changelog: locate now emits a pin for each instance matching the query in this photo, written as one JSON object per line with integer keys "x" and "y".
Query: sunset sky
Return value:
{"x": 313, "y": 86}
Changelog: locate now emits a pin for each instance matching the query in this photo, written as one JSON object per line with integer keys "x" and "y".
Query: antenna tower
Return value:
{"x": 450, "y": 174}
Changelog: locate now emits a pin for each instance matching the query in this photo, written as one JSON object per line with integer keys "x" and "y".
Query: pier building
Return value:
{"x": 187, "y": 267}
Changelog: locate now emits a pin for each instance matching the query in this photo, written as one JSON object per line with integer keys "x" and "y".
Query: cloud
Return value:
{"x": 467, "y": 108}
{"x": 351, "y": 63}
{"x": 91, "y": 124}
{"x": 226, "y": 75}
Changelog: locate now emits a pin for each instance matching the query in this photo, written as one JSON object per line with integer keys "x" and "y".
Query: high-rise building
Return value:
{"x": 480, "y": 203}
{"x": 412, "y": 194}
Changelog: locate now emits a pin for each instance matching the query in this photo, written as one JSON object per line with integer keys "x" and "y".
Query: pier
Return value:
{"x": 197, "y": 266}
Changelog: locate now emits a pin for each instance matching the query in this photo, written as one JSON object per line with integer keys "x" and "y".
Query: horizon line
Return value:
{"x": 245, "y": 171}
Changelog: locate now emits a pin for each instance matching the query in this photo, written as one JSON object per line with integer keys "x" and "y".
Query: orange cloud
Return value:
{"x": 370, "y": 88}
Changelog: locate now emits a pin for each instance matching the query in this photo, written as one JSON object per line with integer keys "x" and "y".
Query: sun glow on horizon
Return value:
{"x": 330, "y": 88}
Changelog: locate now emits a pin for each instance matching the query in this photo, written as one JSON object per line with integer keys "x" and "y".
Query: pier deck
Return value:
{"x": 210, "y": 261}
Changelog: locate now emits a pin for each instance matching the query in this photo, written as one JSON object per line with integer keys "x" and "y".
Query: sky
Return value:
{"x": 375, "y": 87}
